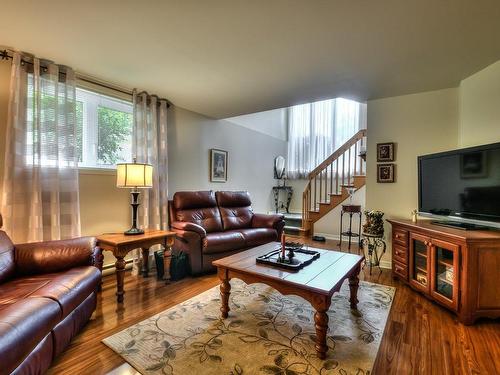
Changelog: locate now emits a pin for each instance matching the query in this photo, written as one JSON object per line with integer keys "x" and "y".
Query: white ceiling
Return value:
{"x": 228, "y": 57}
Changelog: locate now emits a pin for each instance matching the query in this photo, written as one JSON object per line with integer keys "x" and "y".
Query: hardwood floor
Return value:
{"x": 420, "y": 337}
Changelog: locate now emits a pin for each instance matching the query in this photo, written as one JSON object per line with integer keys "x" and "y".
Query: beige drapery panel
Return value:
{"x": 40, "y": 198}
{"x": 149, "y": 145}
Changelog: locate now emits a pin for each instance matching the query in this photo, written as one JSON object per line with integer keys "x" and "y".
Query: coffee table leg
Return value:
{"x": 353, "y": 286}
{"x": 120, "y": 274}
{"x": 321, "y": 324}
{"x": 321, "y": 304}
{"x": 225, "y": 291}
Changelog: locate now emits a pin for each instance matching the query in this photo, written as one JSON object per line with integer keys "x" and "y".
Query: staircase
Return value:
{"x": 328, "y": 182}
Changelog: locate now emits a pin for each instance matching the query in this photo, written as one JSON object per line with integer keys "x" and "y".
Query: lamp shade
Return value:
{"x": 134, "y": 175}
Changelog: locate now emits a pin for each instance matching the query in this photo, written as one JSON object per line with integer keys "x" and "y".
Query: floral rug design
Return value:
{"x": 265, "y": 333}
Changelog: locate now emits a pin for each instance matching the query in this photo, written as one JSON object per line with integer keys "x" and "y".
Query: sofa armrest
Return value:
{"x": 190, "y": 243}
{"x": 55, "y": 256}
{"x": 190, "y": 227}
{"x": 97, "y": 258}
{"x": 267, "y": 221}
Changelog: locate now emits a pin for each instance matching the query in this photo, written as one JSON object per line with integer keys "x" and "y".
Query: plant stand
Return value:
{"x": 350, "y": 209}
{"x": 374, "y": 248}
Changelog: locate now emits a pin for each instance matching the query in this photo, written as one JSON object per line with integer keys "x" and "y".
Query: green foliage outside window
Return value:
{"x": 114, "y": 127}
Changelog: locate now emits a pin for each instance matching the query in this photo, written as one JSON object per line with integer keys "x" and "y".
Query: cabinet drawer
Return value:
{"x": 400, "y": 269}
{"x": 400, "y": 236}
{"x": 400, "y": 254}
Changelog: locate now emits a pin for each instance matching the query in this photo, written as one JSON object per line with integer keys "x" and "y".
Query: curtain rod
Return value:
{"x": 4, "y": 55}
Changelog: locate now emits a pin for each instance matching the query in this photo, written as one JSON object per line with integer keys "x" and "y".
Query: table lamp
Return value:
{"x": 134, "y": 176}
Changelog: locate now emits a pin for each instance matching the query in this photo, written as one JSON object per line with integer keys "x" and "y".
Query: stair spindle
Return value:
{"x": 337, "y": 177}
{"x": 355, "y": 156}
{"x": 349, "y": 168}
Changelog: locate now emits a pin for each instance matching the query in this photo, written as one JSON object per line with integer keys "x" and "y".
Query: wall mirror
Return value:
{"x": 279, "y": 167}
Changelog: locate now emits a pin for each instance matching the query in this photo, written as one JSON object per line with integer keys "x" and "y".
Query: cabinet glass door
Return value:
{"x": 445, "y": 272}
{"x": 419, "y": 262}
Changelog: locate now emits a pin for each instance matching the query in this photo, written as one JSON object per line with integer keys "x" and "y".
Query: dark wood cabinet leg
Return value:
{"x": 145, "y": 262}
{"x": 225, "y": 291}
{"x": 353, "y": 286}
{"x": 120, "y": 274}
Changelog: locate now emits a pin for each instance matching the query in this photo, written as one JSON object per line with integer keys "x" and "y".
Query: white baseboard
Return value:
{"x": 109, "y": 269}
{"x": 387, "y": 264}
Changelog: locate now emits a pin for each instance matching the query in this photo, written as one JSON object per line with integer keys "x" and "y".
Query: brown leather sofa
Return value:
{"x": 47, "y": 294}
{"x": 211, "y": 226}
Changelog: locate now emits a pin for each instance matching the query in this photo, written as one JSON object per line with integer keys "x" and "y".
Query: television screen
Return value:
{"x": 462, "y": 183}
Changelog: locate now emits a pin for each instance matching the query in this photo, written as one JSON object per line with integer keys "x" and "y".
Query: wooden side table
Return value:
{"x": 120, "y": 245}
{"x": 350, "y": 209}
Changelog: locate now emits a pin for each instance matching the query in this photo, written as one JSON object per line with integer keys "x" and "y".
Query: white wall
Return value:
{"x": 480, "y": 107}
{"x": 250, "y": 159}
{"x": 419, "y": 124}
{"x": 272, "y": 123}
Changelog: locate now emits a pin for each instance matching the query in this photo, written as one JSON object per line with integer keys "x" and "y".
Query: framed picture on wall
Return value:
{"x": 473, "y": 165}
{"x": 218, "y": 165}
{"x": 386, "y": 172}
{"x": 385, "y": 152}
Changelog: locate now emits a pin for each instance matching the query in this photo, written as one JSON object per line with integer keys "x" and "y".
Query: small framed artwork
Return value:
{"x": 385, "y": 152}
{"x": 386, "y": 172}
{"x": 218, "y": 165}
{"x": 473, "y": 165}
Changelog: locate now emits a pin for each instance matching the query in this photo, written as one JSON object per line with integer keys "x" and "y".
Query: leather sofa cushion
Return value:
{"x": 236, "y": 217}
{"x": 198, "y": 207}
{"x": 22, "y": 326}
{"x": 208, "y": 218}
{"x": 185, "y": 200}
{"x": 235, "y": 209}
{"x": 7, "y": 264}
{"x": 68, "y": 288}
{"x": 258, "y": 236}
{"x": 233, "y": 198}
{"x": 39, "y": 360}
{"x": 223, "y": 241}
{"x": 53, "y": 256}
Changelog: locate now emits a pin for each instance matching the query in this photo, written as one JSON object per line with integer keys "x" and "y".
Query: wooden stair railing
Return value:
{"x": 327, "y": 182}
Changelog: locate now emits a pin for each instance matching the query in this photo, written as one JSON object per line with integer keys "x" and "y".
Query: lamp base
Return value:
{"x": 133, "y": 232}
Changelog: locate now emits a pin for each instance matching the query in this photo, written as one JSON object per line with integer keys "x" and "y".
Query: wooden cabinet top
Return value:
{"x": 463, "y": 235}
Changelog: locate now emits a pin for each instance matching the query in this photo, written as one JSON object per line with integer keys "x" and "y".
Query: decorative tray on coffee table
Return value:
{"x": 296, "y": 257}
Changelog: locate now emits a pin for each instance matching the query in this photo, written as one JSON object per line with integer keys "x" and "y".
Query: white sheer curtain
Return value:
{"x": 149, "y": 145}
{"x": 40, "y": 187}
{"x": 316, "y": 130}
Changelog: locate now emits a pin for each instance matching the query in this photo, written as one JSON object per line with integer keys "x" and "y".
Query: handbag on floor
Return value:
{"x": 179, "y": 267}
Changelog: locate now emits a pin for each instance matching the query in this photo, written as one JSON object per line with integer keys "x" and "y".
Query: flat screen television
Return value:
{"x": 462, "y": 183}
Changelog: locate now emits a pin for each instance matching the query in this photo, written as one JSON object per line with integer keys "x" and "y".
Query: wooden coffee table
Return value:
{"x": 316, "y": 282}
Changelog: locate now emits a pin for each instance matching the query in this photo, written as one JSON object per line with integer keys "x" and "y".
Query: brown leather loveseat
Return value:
{"x": 47, "y": 294}
{"x": 211, "y": 226}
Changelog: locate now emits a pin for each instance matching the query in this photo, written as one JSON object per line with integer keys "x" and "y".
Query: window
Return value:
{"x": 104, "y": 130}
{"x": 316, "y": 130}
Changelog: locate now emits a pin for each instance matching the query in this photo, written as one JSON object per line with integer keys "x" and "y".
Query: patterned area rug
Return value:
{"x": 266, "y": 333}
